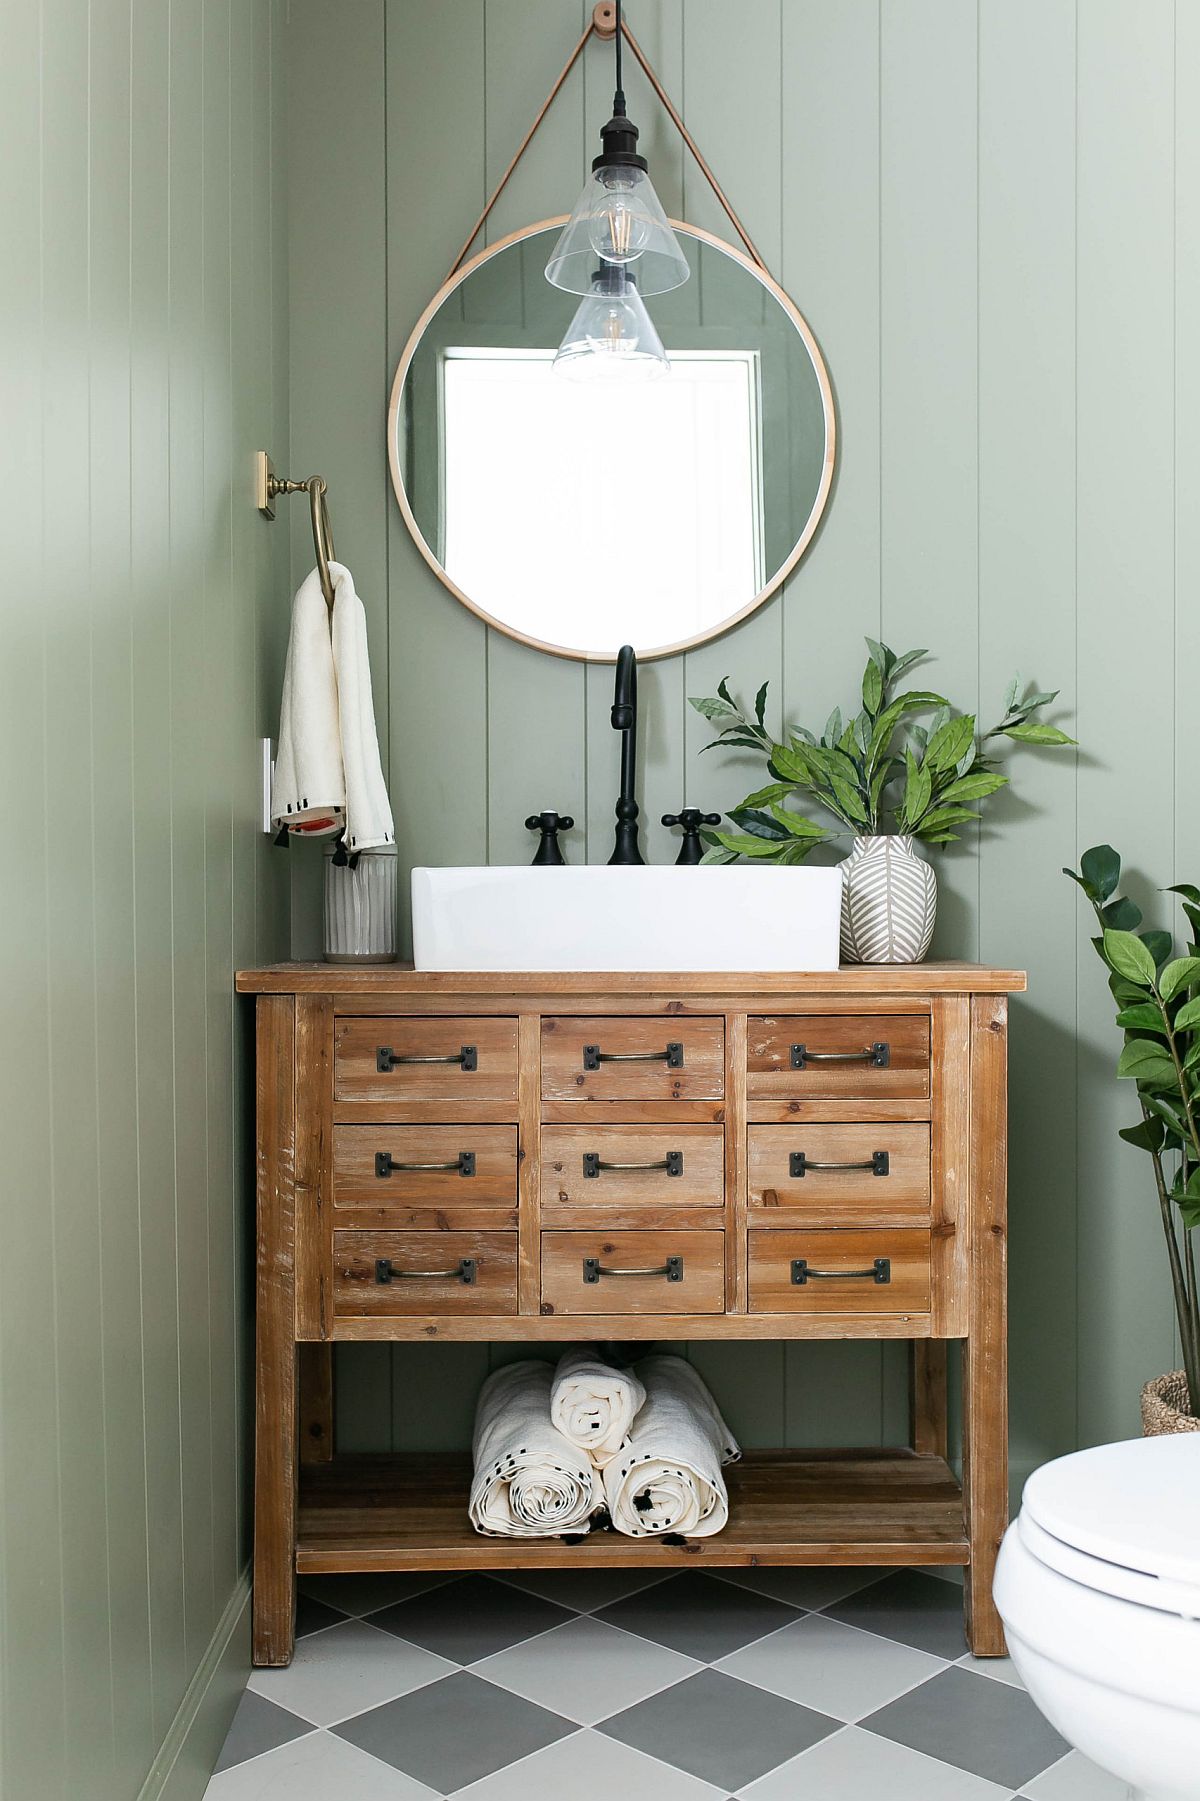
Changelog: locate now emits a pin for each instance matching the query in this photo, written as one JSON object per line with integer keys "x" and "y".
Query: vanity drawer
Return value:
{"x": 672, "y": 1272}
{"x": 840, "y": 1174}
{"x": 816, "y": 1056}
{"x": 425, "y": 1060}
{"x": 429, "y": 1166}
{"x": 381, "y": 1274}
{"x": 840, "y": 1272}
{"x": 650, "y": 1059}
{"x": 621, "y": 1166}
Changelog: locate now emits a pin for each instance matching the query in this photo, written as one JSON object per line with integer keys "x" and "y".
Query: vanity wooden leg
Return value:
{"x": 985, "y": 1360}
{"x": 316, "y": 1402}
{"x": 274, "y": 1611}
{"x": 927, "y": 1397}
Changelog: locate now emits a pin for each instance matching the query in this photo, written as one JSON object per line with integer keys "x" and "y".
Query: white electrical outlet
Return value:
{"x": 268, "y": 778}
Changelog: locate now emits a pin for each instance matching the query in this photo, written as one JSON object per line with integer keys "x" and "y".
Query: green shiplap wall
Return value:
{"x": 142, "y": 299}
{"x": 990, "y": 214}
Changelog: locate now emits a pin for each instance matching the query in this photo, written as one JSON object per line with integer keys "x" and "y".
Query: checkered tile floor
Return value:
{"x": 837, "y": 1685}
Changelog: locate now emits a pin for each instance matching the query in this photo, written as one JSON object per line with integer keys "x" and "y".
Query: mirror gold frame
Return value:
{"x": 455, "y": 280}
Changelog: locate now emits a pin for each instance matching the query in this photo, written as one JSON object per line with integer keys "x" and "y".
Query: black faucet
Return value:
{"x": 624, "y": 720}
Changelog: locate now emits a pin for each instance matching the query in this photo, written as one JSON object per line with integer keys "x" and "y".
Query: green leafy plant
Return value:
{"x": 878, "y": 771}
{"x": 1157, "y": 996}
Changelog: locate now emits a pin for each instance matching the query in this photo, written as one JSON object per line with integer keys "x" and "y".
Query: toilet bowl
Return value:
{"x": 1098, "y": 1585}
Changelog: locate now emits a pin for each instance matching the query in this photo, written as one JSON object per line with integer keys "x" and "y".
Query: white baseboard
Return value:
{"x": 193, "y": 1741}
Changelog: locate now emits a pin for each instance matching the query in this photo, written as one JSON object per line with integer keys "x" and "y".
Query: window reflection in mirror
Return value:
{"x": 584, "y": 515}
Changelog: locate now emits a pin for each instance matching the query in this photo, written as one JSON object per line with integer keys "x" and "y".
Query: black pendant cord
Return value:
{"x": 619, "y": 96}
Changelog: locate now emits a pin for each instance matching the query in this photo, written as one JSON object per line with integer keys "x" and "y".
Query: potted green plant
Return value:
{"x": 1157, "y": 995}
{"x": 907, "y": 768}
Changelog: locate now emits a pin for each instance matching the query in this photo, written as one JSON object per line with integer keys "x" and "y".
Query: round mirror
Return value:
{"x": 580, "y": 515}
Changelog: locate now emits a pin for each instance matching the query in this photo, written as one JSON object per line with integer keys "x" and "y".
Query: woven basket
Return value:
{"x": 1165, "y": 1406}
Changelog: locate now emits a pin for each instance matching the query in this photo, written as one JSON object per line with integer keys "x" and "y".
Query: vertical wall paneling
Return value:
{"x": 31, "y": 1593}
{"x": 136, "y": 301}
{"x": 928, "y": 415}
{"x": 437, "y": 696}
{"x": 1125, "y": 520}
{"x": 1027, "y": 909}
{"x": 337, "y": 296}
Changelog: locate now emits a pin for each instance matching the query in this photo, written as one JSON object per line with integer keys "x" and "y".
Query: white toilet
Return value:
{"x": 1098, "y": 1585}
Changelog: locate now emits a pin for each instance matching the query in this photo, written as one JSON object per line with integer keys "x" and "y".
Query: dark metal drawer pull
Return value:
{"x": 386, "y": 1059}
{"x": 672, "y": 1163}
{"x": 593, "y": 1269}
{"x": 878, "y": 1055}
{"x": 463, "y": 1271}
{"x": 593, "y": 1056}
{"x": 879, "y": 1164}
{"x": 386, "y": 1165}
{"x": 802, "y": 1272}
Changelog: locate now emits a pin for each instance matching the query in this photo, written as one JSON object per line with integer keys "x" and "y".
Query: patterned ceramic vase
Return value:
{"x": 889, "y": 901}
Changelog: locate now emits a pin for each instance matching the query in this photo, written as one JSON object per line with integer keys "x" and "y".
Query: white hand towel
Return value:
{"x": 368, "y": 810}
{"x": 669, "y": 1478}
{"x": 309, "y": 789}
{"x": 327, "y": 770}
{"x": 593, "y": 1403}
{"x": 530, "y": 1481}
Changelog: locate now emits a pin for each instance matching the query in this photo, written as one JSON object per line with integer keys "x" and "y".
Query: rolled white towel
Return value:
{"x": 593, "y": 1403}
{"x": 668, "y": 1479}
{"x": 530, "y": 1481}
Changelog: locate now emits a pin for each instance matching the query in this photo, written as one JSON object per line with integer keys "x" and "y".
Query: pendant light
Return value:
{"x": 618, "y": 219}
{"x": 611, "y": 334}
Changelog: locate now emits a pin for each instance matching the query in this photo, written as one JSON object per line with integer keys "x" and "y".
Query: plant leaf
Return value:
{"x": 742, "y": 845}
{"x": 1123, "y": 915}
{"x": 872, "y": 687}
{"x": 1146, "y": 1063}
{"x": 881, "y": 656}
{"x": 796, "y": 825}
{"x": 948, "y": 744}
{"x": 713, "y": 709}
{"x": 1158, "y": 944}
{"x": 1036, "y": 734}
{"x": 723, "y": 691}
{"x": 1182, "y": 973}
{"x": 1101, "y": 866}
{"x": 759, "y": 825}
{"x": 1143, "y": 1016}
{"x": 1188, "y": 890}
{"x": 760, "y": 702}
{"x": 973, "y": 787}
{"x": 1147, "y": 1135}
{"x": 1128, "y": 956}
{"x": 762, "y": 797}
{"x": 1188, "y": 1016}
{"x": 718, "y": 854}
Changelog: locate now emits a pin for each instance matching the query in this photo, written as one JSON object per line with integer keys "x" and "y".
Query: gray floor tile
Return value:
{"x": 806, "y": 1587}
{"x": 344, "y": 1671}
{"x": 587, "y": 1670}
{"x": 908, "y": 1605}
{"x": 699, "y": 1615}
{"x": 258, "y": 1726}
{"x": 856, "y": 1766}
{"x": 986, "y": 1727}
{"x": 455, "y": 1732}
{"x": 316, "y": 1768}
{"x": 722, "y": 1731}
{"x": 585, "y": 1768}
{"x": 1000, "y": 1669}
{"x": 360, "y": 1593}
{"x": 832, "y": 1667}
{"x": 584, "y": 1590}
{"x": 314, "y": 1616}
{"x": 471, "y": 1618}
{"x": 1077, "y": 1778}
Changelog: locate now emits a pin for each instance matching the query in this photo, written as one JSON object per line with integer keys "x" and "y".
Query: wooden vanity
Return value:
{"x": 609, "y": 1158}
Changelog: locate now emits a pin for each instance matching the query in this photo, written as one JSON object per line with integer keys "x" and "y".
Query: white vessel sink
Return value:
{"x": 713, "y": 917}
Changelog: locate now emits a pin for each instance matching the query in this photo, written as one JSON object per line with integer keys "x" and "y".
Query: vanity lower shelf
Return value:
{"x": 409, "y": 1512}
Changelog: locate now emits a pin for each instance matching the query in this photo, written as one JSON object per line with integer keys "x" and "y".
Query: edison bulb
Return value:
{"x": 620, "y": 225}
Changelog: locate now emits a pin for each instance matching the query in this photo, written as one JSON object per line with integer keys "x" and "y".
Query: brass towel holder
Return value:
{"x": 268, "y": 486}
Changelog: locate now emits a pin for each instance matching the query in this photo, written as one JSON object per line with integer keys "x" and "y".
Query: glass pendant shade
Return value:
{"x": 618, "y": 217}
{"x": 612, "y": 334}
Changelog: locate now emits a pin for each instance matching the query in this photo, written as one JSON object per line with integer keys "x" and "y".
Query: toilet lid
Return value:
{"x": 1124, "y": 1517}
